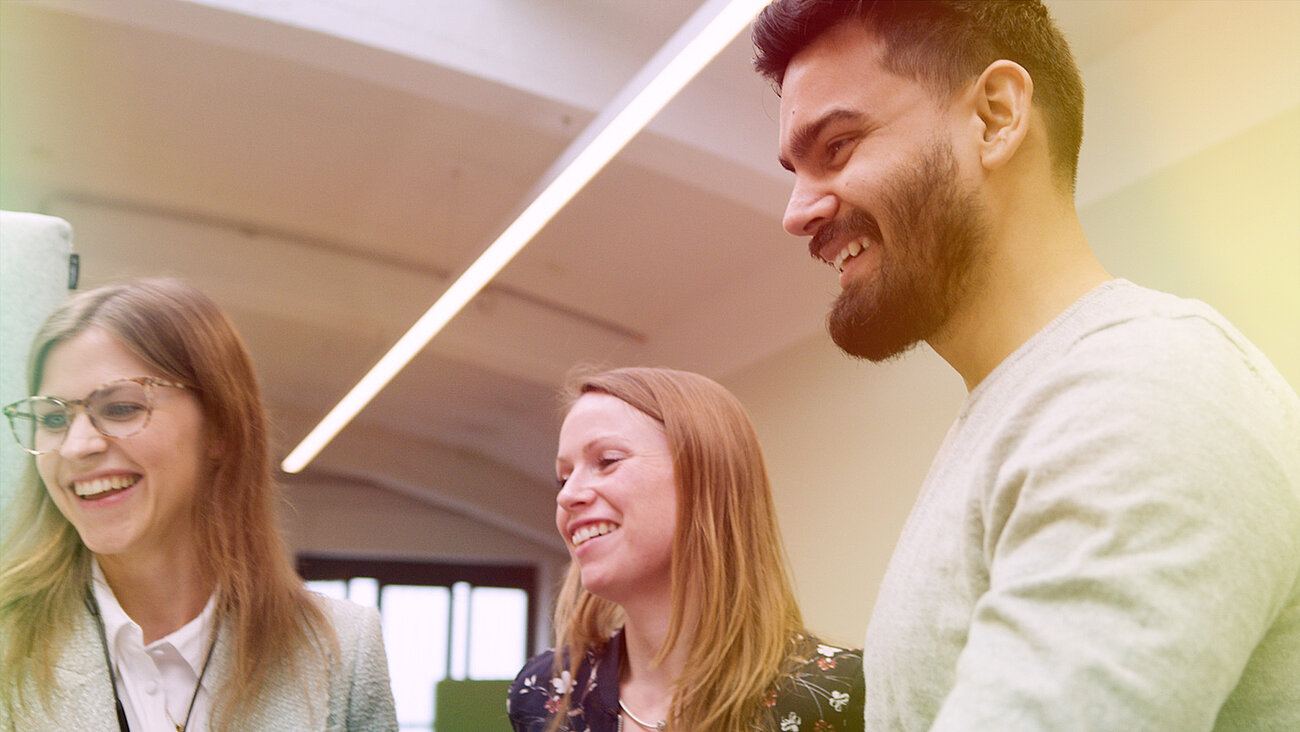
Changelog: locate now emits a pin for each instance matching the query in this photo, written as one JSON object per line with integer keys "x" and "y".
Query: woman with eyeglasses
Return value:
{"x": 677, "y": 613}
{"x": 143, "y": 581}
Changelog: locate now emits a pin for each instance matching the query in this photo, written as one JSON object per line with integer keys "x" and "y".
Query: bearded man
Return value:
{"x": 1109, "y": 537}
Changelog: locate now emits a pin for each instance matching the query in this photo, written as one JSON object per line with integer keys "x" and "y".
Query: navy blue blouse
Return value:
{"x": 819, "y": 690}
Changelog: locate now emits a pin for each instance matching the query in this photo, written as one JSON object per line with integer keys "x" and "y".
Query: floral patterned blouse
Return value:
{"x": 819, "y": 690}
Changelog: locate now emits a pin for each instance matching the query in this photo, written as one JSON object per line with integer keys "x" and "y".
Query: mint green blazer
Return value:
{"x": 359, "y": 696}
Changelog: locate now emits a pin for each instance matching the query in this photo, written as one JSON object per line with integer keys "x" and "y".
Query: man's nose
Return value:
{"x": 809, "y": 207}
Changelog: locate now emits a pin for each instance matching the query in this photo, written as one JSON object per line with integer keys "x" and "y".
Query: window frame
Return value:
{"x": 312, "y": 566}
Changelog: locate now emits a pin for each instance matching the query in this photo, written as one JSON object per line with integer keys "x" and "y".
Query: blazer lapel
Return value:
{"x": 285, "y": 704}
{"x": 83, "y": 697}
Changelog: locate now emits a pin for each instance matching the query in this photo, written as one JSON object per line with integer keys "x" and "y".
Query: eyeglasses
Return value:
{"x": 117, "y": 409}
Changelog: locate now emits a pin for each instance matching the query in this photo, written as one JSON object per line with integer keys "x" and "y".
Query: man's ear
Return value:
{"x": 1003, "y": 97}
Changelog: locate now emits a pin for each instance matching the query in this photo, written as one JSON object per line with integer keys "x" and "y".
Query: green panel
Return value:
{"x": 471, "y": 706}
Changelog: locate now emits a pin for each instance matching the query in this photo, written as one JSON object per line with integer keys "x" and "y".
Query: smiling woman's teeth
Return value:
{"x": 591, "y": 531}
{"x": 854, "y": 248}
{"x": 89, "y": 488}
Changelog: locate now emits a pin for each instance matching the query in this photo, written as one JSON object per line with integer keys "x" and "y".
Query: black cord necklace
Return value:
{"x": 93, "y": 605}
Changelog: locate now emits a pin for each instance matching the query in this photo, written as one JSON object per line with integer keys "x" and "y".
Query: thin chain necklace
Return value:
{"x": 93, "y": 605}
{"x": 657, "y": 726}
{"x": 185, "y": 723}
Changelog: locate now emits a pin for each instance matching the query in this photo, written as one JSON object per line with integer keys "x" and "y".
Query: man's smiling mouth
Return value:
{"x": 851, "y": 250}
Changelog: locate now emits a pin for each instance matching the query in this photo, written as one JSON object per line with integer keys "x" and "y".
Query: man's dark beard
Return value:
{"x": 924, "y": 271}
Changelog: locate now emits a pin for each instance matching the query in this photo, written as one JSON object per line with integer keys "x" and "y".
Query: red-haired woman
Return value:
{"x": 677, "y": 613}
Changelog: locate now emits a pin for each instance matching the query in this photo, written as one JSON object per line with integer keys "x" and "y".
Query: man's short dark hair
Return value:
{"x": 944, "y": 44}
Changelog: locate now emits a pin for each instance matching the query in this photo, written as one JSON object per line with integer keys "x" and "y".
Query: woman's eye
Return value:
{"x": 54, "y": 422}
{"x": 559, "y": 482}
{"x": 120, "y": 411}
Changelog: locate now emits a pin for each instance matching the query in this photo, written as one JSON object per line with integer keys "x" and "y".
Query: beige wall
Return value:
{"x": 1222, "y": 226}
{"x": 847, "y": 445}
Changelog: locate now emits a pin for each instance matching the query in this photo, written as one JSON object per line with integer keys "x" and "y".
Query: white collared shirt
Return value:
{"x": 157, "y": 680}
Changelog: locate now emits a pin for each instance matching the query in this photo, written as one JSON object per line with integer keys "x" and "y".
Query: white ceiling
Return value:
{"x": 324, "y": 167}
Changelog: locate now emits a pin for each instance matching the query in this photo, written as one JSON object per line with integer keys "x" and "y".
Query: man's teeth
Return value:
{"x": 103, "y": 485}
{"x": 591, "y": 531}
{"x": 854, "y": 248}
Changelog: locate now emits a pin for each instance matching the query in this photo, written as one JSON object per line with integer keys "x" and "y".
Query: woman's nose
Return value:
{"x": 82, "y": 438}
{"x": 576, "y": 491}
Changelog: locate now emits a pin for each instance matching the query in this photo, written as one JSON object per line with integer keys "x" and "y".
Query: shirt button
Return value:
{"x": 151, "y": 687}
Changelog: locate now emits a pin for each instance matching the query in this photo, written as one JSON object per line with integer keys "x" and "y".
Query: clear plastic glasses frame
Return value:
{"x": 120, "y": 408}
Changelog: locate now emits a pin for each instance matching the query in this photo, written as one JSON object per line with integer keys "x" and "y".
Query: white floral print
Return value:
{"x": 818, "y": 689}
{"x": 562, "y": 683}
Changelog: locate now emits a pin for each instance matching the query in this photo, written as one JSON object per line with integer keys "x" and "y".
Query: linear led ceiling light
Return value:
{"x": 690, "y": 49}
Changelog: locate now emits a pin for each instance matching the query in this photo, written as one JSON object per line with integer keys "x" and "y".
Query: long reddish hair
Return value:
{"x": 729, "y": 576}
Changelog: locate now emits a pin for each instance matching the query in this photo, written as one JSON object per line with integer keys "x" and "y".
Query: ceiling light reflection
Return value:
{"x": 698, "y": 41}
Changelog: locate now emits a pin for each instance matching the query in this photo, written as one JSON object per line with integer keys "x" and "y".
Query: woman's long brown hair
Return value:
{"x": 273, "y": 624}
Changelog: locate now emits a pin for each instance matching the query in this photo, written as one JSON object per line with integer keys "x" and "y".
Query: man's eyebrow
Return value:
{"x": 802, "y": 139}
